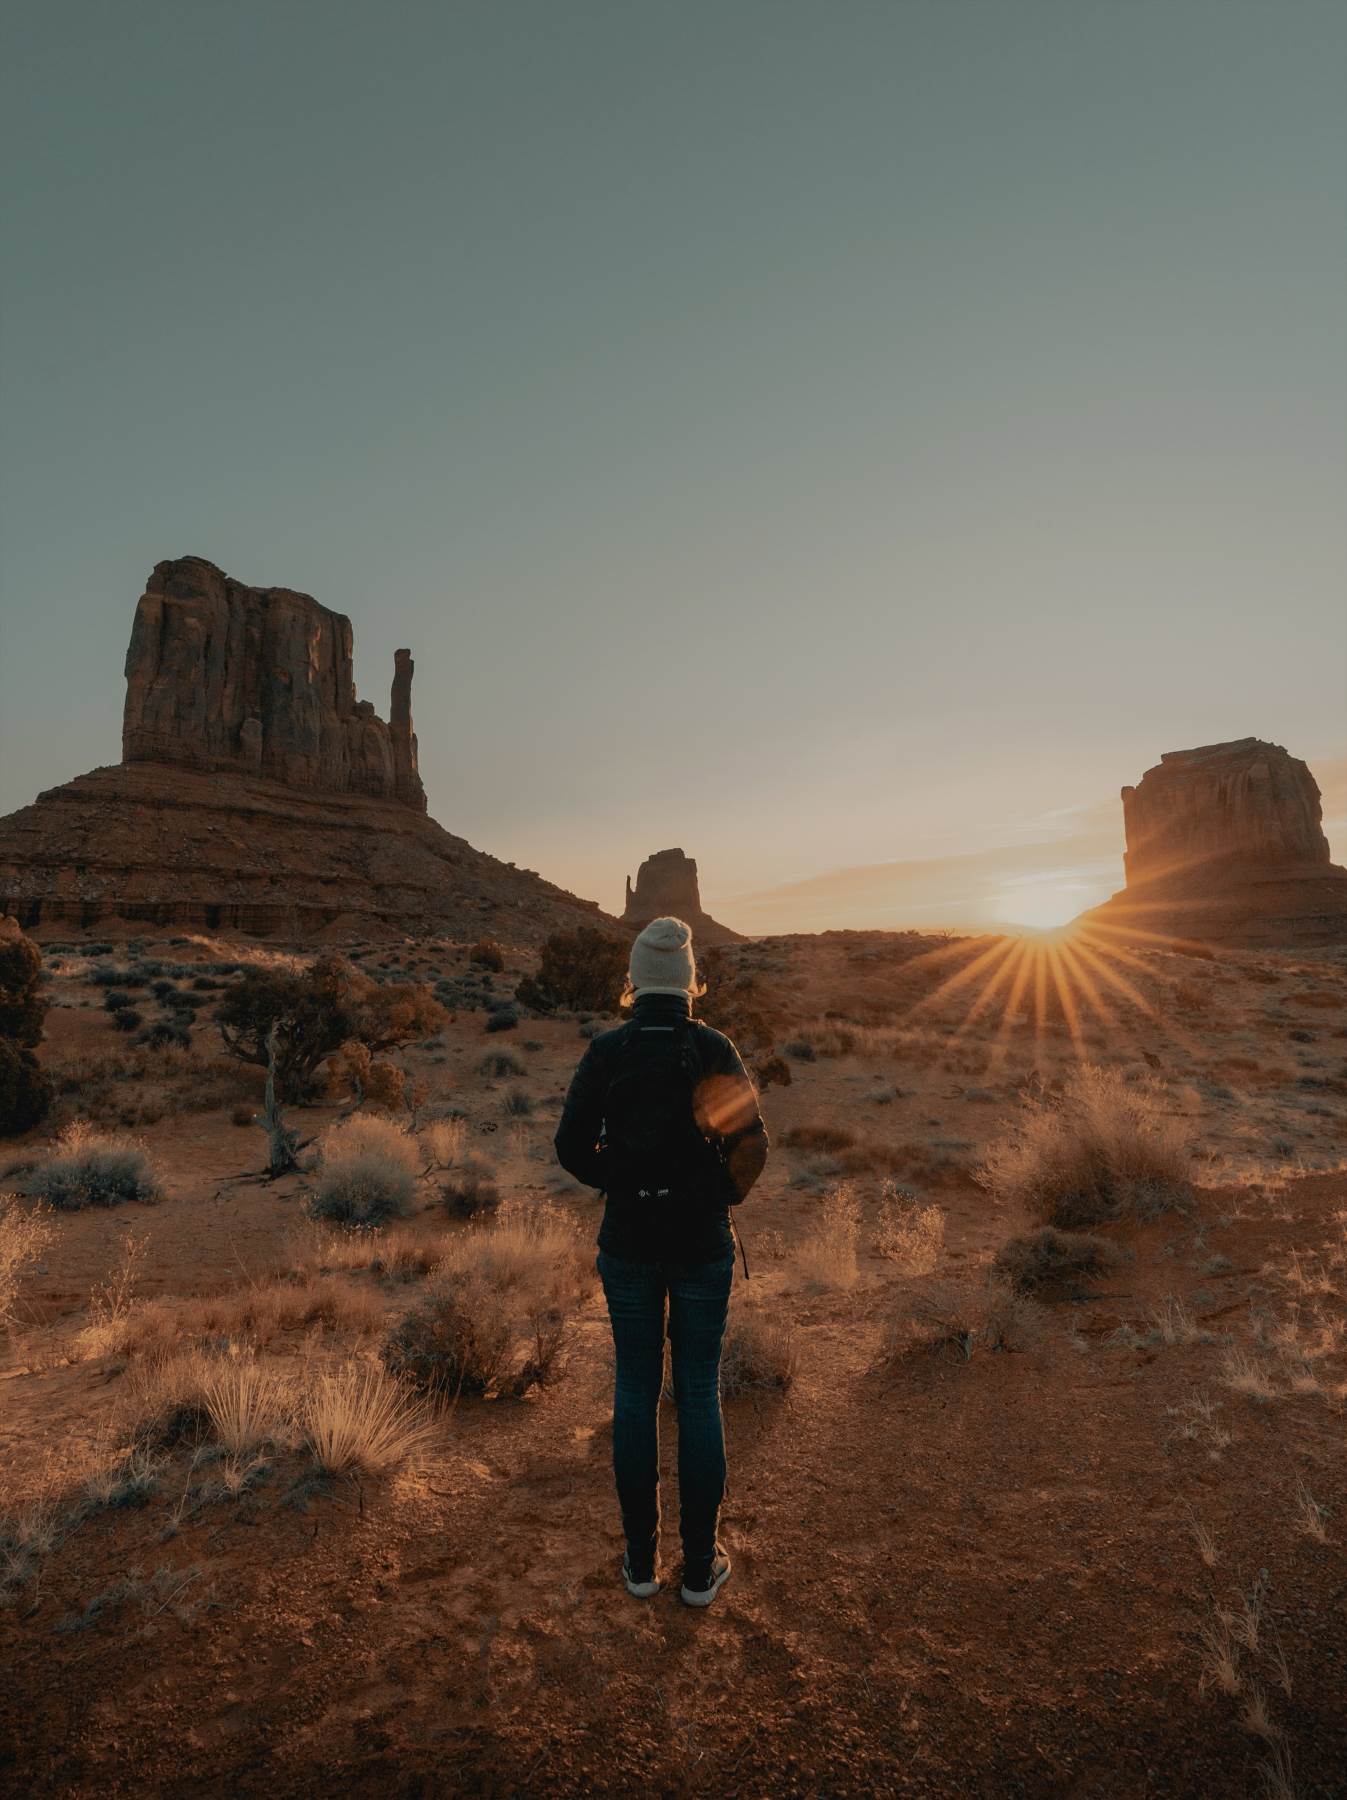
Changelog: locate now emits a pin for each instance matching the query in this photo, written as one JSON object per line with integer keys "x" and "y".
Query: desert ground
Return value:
{"x": 1079, "y": 1536}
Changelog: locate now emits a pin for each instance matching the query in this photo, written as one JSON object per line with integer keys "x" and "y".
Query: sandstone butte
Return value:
{"x": 666, "y": 883}
{"x": 1225, "y": 845}
{"x": 257, "y": 793}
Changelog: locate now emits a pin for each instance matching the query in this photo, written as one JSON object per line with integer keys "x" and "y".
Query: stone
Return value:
{"x": 223, "y": 676}
{"x": 666, "y": 884}
{"x": 1225, "y": 843}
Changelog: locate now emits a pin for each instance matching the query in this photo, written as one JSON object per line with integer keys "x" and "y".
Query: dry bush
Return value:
{"x": 1102, "y": 1149}
{"x": 1050, "y": 1262}
{"x": 445, "y": 1140}
{"x": 957, "y": 1319}
{"x": 254, "y": 1313}
{"x": 471, "y": 1188}
{"x": 94, "y": 1168}
{"x": 907, "y": 1234}
{"x": 818, "y": 1137}
{"x": 24, "y": 1235}
{"x": 500, "y": 1312}
{"x": 359, "y": 1421}
{"x": 368, "y": 1172}
{"x": 826, "y": 1257}
{"x": 486, "y": 953}
{"x": 758, "y": 1354}
{"x": 136, "y": 1086}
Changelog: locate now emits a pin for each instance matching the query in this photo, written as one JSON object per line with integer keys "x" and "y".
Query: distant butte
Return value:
{"x": 257, "y": 793}
{"x": 1225, "y": 845}
{"x": 666, "y": 883}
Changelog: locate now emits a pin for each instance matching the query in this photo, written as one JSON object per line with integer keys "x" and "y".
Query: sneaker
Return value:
{"x": 643, "y": 1590}
{"x": 700, "y": 1586}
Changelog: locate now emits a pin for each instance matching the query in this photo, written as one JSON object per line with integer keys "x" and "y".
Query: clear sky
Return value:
{"x": 818, "y": 435}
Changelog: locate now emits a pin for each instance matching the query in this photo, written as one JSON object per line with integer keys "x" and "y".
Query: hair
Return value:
{"x": 628, "y": 998}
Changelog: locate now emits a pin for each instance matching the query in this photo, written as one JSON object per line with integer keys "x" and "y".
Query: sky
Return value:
{"x": 845, "y": 441}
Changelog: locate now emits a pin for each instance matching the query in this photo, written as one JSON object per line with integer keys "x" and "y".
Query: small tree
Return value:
{"x": 282, "y": 1144}
{"x": 25, "y": 1091}
{"x": 584, "y": 969}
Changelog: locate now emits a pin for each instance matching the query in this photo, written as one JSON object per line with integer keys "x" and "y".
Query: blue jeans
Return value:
{"x": 697, "y": 1296}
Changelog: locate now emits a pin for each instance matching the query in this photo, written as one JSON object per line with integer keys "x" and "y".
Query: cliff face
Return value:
{"x": 666, "y": 885}
{"x": 1245, "y": 799}
{"x": 223, "y": 676}
{"x": 1225, "y": 845}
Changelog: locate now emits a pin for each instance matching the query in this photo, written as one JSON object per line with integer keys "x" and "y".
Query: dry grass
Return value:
{"x": 1244, "y": 1374}
{"x": 25, "y": 1232}
{"x": 368, "y": 1171}
{"x": 826, "y": 1256}
{"x": 1054, "y": 1263}
{"x": 94, "y": 1168}
{"x": 253, "y": 1313}
{"x": 1311, "y": 1517}
{"x": 471, "y": 1188}
{"x": 499, "y": 1314}
{"x": 958, "y": 1319}
{"x": 908, "y": 1234}
{"x": 1105, "y": 1148}
{"x": 758, "y": 1354}
{"x": 360, "y": 1421}
{"x": 445, "y": 1140}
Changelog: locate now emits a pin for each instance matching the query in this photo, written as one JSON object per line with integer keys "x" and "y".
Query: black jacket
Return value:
{"x": 727, "y": 1108}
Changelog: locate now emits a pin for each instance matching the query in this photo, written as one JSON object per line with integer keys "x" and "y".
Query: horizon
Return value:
{"x": 941, "y": 415}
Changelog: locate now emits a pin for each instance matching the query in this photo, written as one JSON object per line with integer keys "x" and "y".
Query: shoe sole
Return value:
{"x": 641, "y": 1590}
{"x": 706, "y": 1595}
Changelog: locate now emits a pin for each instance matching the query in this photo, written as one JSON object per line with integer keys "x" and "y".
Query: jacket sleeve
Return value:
{"x": 727, "y": 1105}
{"x": 577, "y": 1139}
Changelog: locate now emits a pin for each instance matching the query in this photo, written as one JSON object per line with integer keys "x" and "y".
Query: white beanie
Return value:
{"x": 661, "y": 959}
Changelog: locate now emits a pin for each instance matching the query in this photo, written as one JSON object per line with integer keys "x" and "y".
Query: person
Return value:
{"x": 662, "y": 1116}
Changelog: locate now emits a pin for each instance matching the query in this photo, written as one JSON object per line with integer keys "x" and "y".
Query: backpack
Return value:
{"x": 650, "y": 1127}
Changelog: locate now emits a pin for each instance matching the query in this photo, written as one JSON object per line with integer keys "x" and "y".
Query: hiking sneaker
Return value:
{"x": 701, "y": 1585}
{"x": 643, "y": 1590}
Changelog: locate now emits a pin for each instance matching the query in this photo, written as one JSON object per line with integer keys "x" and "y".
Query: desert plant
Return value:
{"x": 359, "y": 1420}
{"x": 517, "y": 1104}
{"x": 1101, "y": 1149}
{"x": 165, "y": 1034}
{"x": 956, "y": 1320}
{"x": 758, "y": 1354}
{"x": 24, "y": 1235}
{"x": 499, "y": 1316}
{"x": 826, "y": 1257}
{"x": 94, "y": 1168}
{"x": 818, "y": 1137}
{"x": 368, "y": 1171}
{"x": 906, "y": 1233}
{"x": 487, "y": 954}
{"x": 772, "y": 1071}
{"x": 128, "y": 1019}
{"x": 1053, "y": 1263}
{"x": 22, "y": 1006}
{"x": 471, "y": 1188}
{"x": 499, "y": 1064}
{"x": 579, "y": 969}
{"x": 445, "y": 1139}
{"x": 25, "y": 1089}
{"x": 502, "y": 1018}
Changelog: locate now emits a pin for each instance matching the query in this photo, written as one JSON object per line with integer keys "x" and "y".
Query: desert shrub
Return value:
{"x": 505, "y": 1018}
{"x": 24, "y": 1235}
{"x": 772, "y": 1071}
{"x": 373, "y": 1083}
{"x": 517, "y": 1104}
{"x": 500, "y": 1064}
{"x": 958, "y": 1319}
{"x": 801, "y": 1049}
{"x": 165, "y": 1034}
{"x": 818, "y": 1137}
{"x": 315, "y": 1012}
{"x": 94, "y": 1168}
{"x": 368, "y": 1171}
{"x": 1103, "y": 1148}
{"x": 359, "y": 1420}
{"x": 1048, "y": 1261}
{"x": 22, "y": 1006}
{"x": 127, "y": 1019}
{"x": 499, "y": 1315}
{"x": 577, "y": 969}
{"x": 25, "y": 1090}
{"x": 243, "y": 1115}
{"x": 115, "y": 1000}
{"x": 487, "y": 954}
{"x": 906, "y": 1233}
{"x": 826, "y": 1257}
{"x": 445, "y": 1140}
{"x": 758, "y": 1354}
{"x": 163, "y": 988}
{"x": 471, "y": 1188}
{"x": 105, "y": 978}
{"x": 206, "y": 984}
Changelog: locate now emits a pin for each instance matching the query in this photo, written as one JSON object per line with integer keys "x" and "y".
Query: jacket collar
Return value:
{"x": 662, "y": 1006}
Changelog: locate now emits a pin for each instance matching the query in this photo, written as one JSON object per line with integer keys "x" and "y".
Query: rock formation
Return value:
{"x": 666, "y": 883}
{"x": 256, "y": 793}
{"x": 223, "y": 676}
{"x": 1225, "y": 844}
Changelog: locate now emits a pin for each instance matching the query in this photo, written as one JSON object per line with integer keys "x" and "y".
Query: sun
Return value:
{"x": 1042, "y": 905}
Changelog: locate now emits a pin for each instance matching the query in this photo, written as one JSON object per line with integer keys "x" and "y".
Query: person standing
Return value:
{"x": 662, "y": 1117}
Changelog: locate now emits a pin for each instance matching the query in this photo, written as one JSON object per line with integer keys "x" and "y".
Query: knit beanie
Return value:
{"x": 661, "y": 959}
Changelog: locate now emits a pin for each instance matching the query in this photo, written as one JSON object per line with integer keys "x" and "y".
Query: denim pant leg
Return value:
{"x": 699, "y": 1298}
{"x": 635, "y": 1295}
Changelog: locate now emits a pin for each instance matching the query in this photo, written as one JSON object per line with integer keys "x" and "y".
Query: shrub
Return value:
{"x": 1103, "y": 1148}
{"x": 22, "y": 1006}
{"x": 115, "y": 1000}
{"x": 471, "y": 1189}
{"x": 25, "y": 1091}
{"x": 957, "y": 1320}
{"x": 126, "y": 1018}
{"x": 444, "y": 1139}
{"x": 368, "y": 1171}
{"x": 499, "y": 1316}
{"x": 801, "y": 1049}
{"x": 517, "y": 1104}
{"x": 498, "y": 1065}
{"x": 908, "y": 1234}
{"x": 818, "y": 1137}
{"x": 504, "y": 1019}
{"x": 758, "y": 1354}
{"x": 1050, "y": 1262}
{"x": 94, "y": 1168}
{"x": 359, "y": 1420}
{"x": 165, "y": 1034}
{"x": 487, "y": 954}
{"x": 827, "y": 1256}
{"x": 773, "y": 1071}
{"x": 24, "y": 1235}
{"x": 579, "y": 969}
